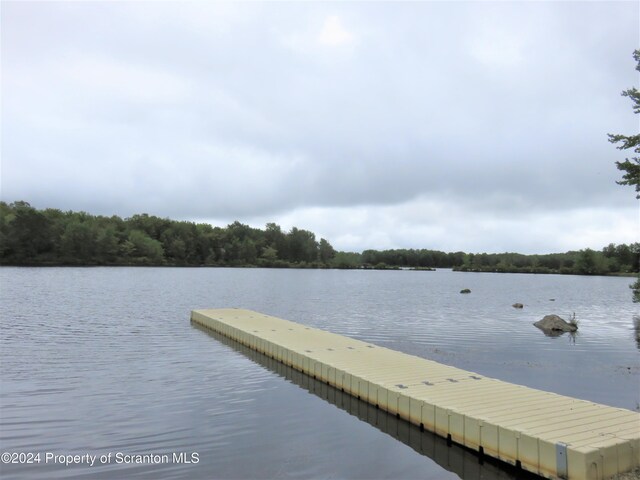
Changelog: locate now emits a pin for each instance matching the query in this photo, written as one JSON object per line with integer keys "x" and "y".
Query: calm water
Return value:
{"x": 104, "y": 360}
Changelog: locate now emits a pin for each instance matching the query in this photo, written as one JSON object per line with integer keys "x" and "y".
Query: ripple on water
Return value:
{"x": 104, "y": 359}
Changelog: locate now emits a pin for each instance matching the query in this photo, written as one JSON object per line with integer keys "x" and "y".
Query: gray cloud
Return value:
{"x": 286, "y": 111}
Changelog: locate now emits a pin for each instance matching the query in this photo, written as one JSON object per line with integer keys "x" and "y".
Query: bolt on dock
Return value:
{"x": 545, "y": 433}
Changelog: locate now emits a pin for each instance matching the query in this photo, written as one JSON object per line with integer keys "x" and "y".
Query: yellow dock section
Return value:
{"x": 548, "y": 434}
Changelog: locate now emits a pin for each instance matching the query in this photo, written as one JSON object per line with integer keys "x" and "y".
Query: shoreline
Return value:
{"x": 309, "y": 267}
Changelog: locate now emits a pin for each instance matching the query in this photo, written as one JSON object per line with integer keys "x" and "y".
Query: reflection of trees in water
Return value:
{"x": 465, "y": 463}
{"x": 636, "y": 329}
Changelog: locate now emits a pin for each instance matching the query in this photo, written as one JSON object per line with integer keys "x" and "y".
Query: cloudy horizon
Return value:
{"x": 473, "y": 126}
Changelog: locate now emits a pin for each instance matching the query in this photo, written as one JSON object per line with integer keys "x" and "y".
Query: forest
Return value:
{"x": 612, "y": 259}
{"x": 29, "y": 236}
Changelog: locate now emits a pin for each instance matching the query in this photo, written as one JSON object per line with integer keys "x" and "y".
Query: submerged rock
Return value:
{"x": 517, "y": 305}
{"x": 553, "y": 323}
{"x": 465, "y": 290}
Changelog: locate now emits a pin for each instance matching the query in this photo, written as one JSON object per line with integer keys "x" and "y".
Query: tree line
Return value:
{"x": 612, "y": 259}
{"x": 29, "y": 236}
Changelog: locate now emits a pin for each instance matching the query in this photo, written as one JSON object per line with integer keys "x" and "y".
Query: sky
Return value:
{"x": 473, "y": 126}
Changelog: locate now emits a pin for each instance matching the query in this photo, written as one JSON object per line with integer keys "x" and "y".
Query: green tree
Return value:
{"x": 325, "y": 251}
{"x": 346, "y": 260}
{"x": 269, "y": 255}
{"x": 231, "y": 251}
{"x": 635, "y": 287}
{"x": 275, "y": 237}
{"x": 29, "y": 233}
{"x": 6, "y": 216}
{"x": 107, "y": 245}
{"x": 248, "y": 252}
{"x": 179, "y": 243}
{"x": 149, "y": 224}
{"x": 207, "y": 244}
{"x": 146, "y": 250}
{"x": 590, "y": 262}
{"x": 78, "y": 242}
{"x": 240, "y": 230}
{"x": 631, "y": 166}
{"x": 302, "y": 245}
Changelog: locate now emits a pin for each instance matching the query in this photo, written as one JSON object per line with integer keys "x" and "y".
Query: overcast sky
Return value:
{"x": 474, "y": 126}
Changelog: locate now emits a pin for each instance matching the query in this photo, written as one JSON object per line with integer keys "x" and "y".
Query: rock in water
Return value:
{"x": 465, "y": 290}
{"x": 553, "y": 323}
{"x": 517, "y": 305}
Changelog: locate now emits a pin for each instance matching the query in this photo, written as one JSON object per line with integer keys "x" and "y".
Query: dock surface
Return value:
{"x": 545, "y": 433}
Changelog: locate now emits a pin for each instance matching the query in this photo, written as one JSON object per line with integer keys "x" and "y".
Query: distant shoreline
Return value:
{"x": 51, "y": 237}
{"x": 295, "y": 267}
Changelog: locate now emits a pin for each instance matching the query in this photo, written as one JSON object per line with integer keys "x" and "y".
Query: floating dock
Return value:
{"x": 548, "y": 434}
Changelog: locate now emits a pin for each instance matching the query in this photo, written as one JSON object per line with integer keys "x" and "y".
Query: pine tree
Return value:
{"x": 631, "y": 166}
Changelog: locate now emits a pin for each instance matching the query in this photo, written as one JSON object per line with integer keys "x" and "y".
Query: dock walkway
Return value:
{"x": 545, "y": 433}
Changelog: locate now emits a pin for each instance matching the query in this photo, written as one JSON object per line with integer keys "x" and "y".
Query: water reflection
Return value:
{"x": 636, "y": 329}
{"x": 465, "y": 463}
{"x": 553, "y": 333}
{"x": 571, "y": 336}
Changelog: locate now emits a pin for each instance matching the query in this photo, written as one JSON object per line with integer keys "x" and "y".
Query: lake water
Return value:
{"x": 99, "y": 361}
